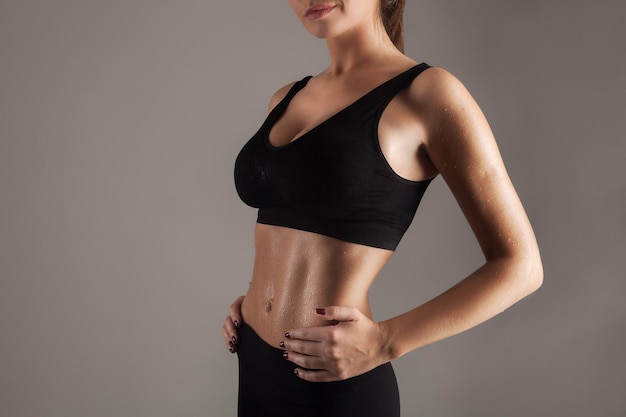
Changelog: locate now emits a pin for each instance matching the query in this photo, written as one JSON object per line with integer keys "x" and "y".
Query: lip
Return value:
{"x": 318, "y": 11}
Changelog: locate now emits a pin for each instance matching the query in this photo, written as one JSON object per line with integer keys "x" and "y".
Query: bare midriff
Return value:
{"x": 296, "y": 272}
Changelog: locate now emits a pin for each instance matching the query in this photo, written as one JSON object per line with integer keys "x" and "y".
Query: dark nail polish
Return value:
{"x": 320, "y": 311}
{"x": 295, "y": 371}
{"x": 281, "y": 344}
{"x": 232, "y": 350}
{"x": 236, "y": 324}
{"x": 285, "y": 355}
{"x": 234, "y": 339}
{"x": 230, "y": 344}
{"x": 287, "y": 335}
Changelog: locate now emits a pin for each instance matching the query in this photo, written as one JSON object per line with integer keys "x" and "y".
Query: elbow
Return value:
{"x": 536, "y": 280}
{"x": 534, "y": 275}
{"x": 524, "y": 274}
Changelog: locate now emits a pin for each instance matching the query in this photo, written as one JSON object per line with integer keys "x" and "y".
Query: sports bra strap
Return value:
{"x": 282, "y": 104}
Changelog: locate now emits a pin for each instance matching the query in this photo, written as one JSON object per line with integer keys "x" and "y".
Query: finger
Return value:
{"x": 305, "y": 361}
{"x": 234, "y": 311}
{"x": 229, "y": 343}
{"x": 303, "y": 347}
{"x": 315, "y": 376}
{"x": 232, "y": 334}
{"x": 232, "y": 322}
{"x": 339, "y": 313}
{"x": 313, "y": 334}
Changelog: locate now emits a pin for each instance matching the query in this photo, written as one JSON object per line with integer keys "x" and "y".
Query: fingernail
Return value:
{"x": 236, "y": 324}
{"x": 234, "y": 339}
{"x": 281, "y": 344}
{"x": 232, "y": 350}
{"x": 287, "y": 335}
{"x": 295, "y": 371}
{"x": 320, "y": 311}
{"x": 285, "y": 355}
{"x": 230, "y": 344}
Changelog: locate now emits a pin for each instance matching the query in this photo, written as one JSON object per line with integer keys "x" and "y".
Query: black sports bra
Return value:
{"x": 334, "y": 179}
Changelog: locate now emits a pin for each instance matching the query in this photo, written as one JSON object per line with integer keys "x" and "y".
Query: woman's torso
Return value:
{"x": 296, "y": 271}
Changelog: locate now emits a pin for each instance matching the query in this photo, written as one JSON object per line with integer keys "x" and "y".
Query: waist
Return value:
{"x": 296, "y": 272}
{"x": 271, "y": 327}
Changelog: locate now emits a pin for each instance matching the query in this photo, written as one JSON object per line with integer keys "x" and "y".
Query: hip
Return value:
{"x": 268, "y": 387}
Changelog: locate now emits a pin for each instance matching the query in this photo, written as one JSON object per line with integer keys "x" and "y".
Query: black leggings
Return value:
{"x": 269, "y": 388}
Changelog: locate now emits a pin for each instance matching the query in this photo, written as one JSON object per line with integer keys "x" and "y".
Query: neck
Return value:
{"x": 363, "y": 46}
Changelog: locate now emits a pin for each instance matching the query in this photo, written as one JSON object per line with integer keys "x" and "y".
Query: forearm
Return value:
{"x": 488, "y": 291}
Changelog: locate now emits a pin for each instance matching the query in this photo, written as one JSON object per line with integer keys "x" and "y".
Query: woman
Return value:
{"x": 337, "y": 171}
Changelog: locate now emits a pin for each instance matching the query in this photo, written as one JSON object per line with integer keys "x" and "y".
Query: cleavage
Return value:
{"x": 299, "y": 118}
{"x": 309, "y": 110}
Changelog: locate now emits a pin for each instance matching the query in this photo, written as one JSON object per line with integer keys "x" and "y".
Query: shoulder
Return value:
{"x": 279, "y": 95}
{"x": 444, "y": 103}
{"x": 437, "y": 88}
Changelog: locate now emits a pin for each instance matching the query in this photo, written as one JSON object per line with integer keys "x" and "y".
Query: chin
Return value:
{"x": 318, "y": 32}
{"x": 323, "y": 31}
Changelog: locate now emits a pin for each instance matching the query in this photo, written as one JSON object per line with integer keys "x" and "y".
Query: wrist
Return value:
{"x": 388, "y": 349}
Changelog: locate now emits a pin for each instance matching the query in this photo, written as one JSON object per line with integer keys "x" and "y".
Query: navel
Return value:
{"x": 268, "y": 305}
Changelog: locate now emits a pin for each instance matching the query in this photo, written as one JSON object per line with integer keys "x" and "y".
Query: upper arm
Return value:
{"x": 462, "y": 147}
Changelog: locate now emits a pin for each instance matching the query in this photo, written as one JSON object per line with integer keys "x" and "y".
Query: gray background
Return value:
{"x": 122, "y": 240}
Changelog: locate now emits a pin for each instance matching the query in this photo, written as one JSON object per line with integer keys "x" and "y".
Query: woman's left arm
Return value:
{"x": 462, "y": 147}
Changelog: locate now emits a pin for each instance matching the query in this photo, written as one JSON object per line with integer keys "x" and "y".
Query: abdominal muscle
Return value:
{"x": 296, "y": 272}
